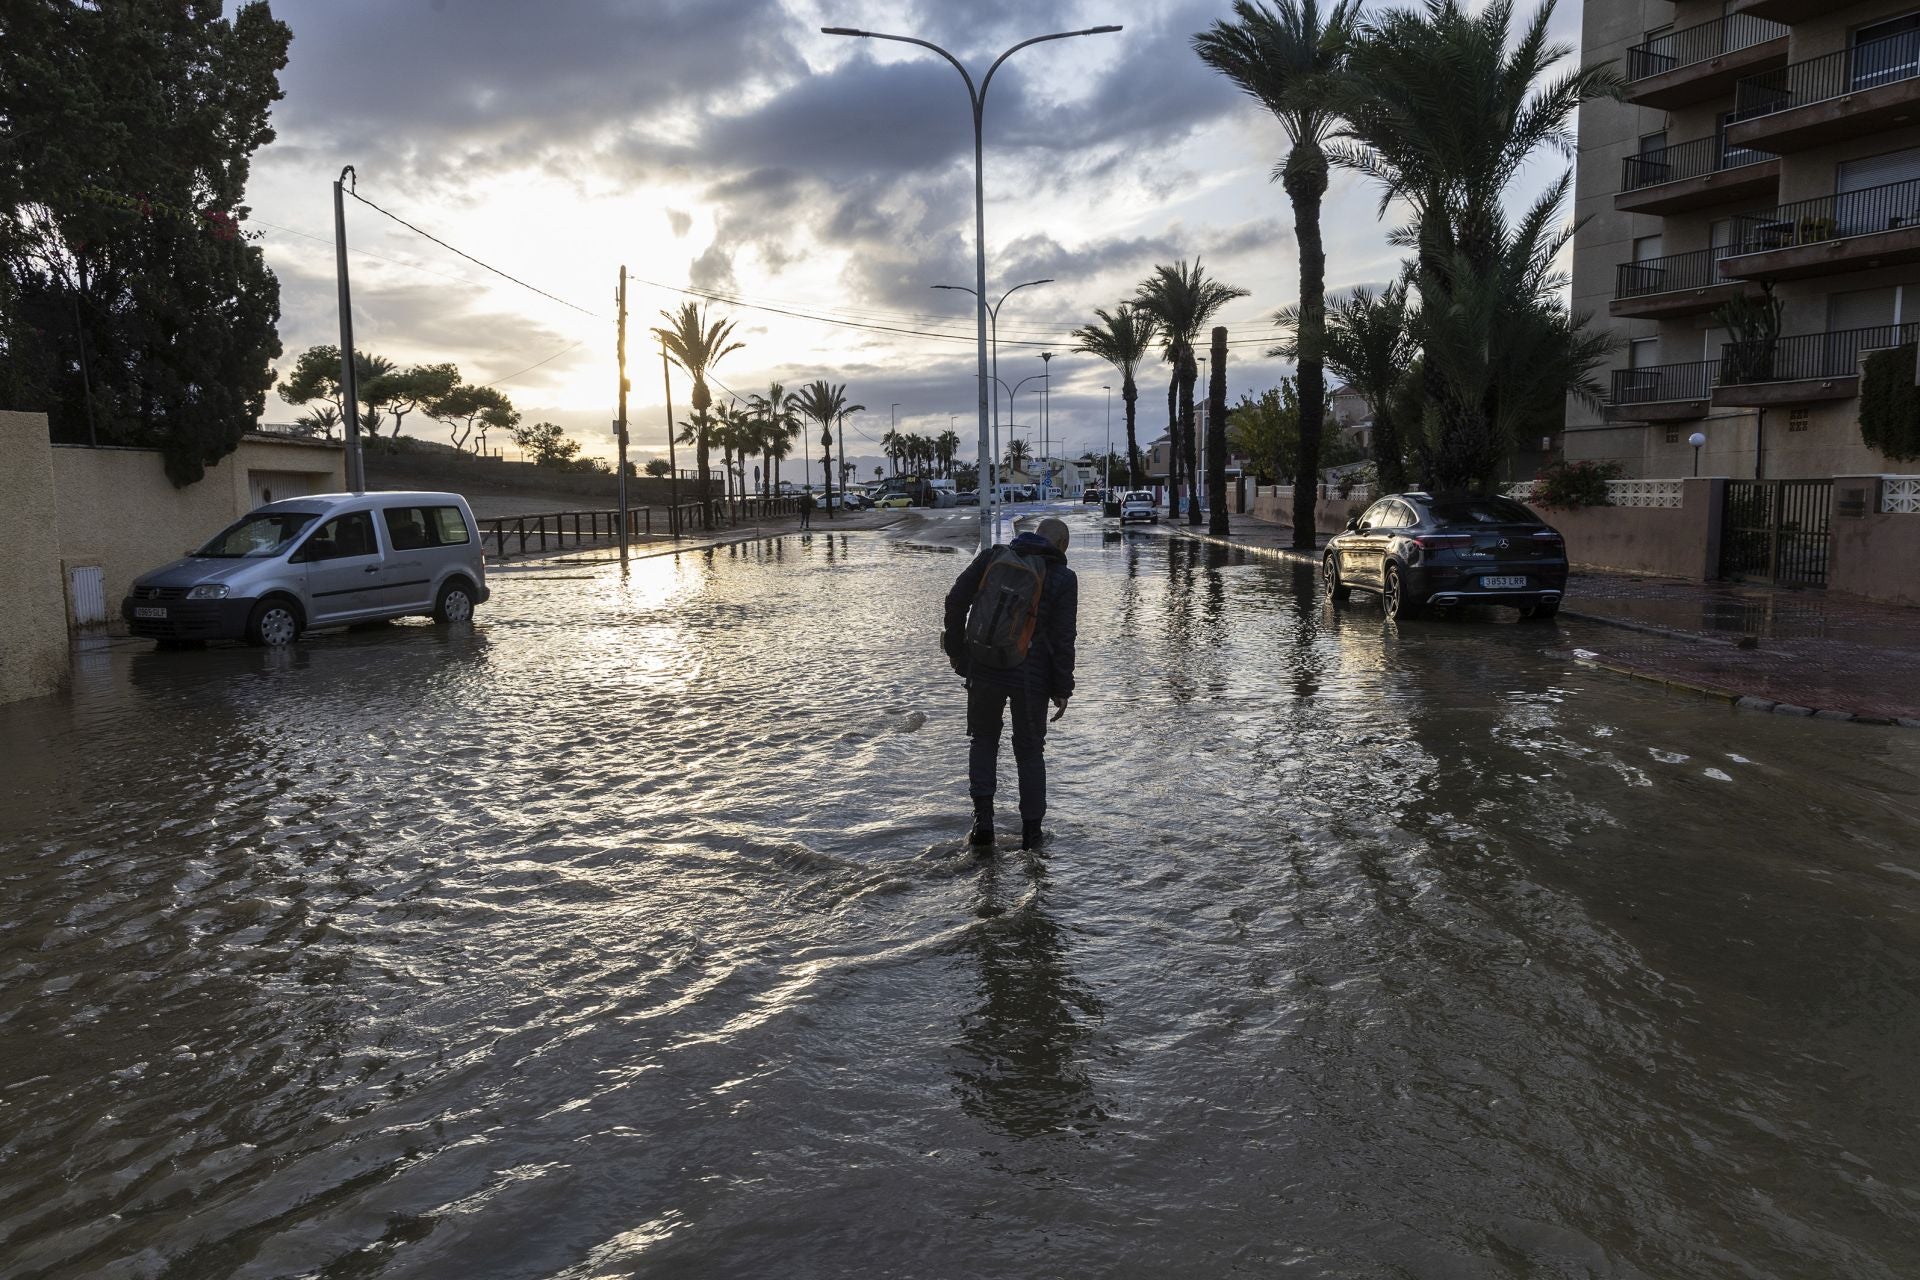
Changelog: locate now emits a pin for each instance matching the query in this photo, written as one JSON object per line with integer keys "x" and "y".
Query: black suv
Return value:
{"x": 1417, "y": 551}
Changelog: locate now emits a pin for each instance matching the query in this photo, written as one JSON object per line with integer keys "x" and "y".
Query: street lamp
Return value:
{"x": 1106, "y": 493}
{"x": 977, "y": 98}
{"x": 1012, "y": 392}
{"x": 1046, "y": 422}
{"x": 1698, "y": 439}
{"x": 993, "y": 321}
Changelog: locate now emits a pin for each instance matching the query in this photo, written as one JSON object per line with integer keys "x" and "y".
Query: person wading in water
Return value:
{"x": 1009, "y": 632}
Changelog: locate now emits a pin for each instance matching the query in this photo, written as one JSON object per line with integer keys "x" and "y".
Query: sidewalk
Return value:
{"x": 1804, "y": 653}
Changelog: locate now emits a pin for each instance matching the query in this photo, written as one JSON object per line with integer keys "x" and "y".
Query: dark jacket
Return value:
{"x": 1049, "y": 664}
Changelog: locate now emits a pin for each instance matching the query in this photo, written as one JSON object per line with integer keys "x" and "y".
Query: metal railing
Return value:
{"x": 1656, "y": 383}
{"x": 560, "y": 530}
{"x": 1834, "y": 217}
{"x": 1703, "y": 43}
{"x": 1867, "y": 65}
{"x": 1807, "y": 357}
{"x": 1670, "y": 274}
{"x": 1687, "y": 160}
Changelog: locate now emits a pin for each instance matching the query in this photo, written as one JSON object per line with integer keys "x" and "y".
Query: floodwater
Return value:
{"x": 628, "y": 932}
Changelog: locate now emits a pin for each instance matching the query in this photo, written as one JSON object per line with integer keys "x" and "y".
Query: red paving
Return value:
{"x": 1811, "y": 650}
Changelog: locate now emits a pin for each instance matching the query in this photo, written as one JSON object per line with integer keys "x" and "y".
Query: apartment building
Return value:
{"x": 1765, "y": 148}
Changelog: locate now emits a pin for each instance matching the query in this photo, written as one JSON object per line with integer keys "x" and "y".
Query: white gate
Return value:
{"x": 87, "y": 595}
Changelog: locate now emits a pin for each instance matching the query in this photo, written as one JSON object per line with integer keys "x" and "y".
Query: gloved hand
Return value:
{"x": 1061, "y": 703}
{"x": 955, "y": 648}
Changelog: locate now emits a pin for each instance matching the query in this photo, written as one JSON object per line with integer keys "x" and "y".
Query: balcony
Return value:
{"x": 1692, "y": 175}
{"x": 1790, "y": 10}
{"x": 1663, "y": 392}
{"x": 1832, "y": 235}
{"x": 1698, "y": 63}
{"x": 1872, "y": 86}
{"x": 1684, "y": 284}
{"x": 1801, "y": 370}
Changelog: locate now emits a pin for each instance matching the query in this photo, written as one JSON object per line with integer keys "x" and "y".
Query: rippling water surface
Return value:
{"x": 628, "y": 932}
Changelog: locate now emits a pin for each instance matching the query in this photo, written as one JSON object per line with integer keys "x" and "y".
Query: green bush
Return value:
{"x": 1890, "y": 403}
{"x": 1566, "y": 485}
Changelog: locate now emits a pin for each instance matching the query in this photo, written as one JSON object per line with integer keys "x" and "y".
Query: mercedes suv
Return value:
{"x": 1418, "y": 551}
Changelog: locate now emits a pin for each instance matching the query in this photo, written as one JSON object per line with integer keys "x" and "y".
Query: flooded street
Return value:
{"x": 630, "y": 932}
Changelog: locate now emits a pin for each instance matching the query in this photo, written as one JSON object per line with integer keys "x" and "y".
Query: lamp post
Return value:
{"x": 993, "y": 321}
{"x": 977, "y": 98}
{"x": 1046, "y": 423}
{"x": 1106, "y": 484}
{"x": 1698, "y": 440}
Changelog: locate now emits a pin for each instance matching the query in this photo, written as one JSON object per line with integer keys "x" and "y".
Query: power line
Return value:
{"x": 486, "y": 266}
{"x": 535, "y": 365}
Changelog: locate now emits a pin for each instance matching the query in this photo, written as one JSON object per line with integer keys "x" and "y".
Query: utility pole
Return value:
{"x": 620, "y": 424}
{"x": 1046, "y": 423}
{"x": 1217, "y": 435}
{"x": 673, "y": 465}
{"x": 349, "y": 382}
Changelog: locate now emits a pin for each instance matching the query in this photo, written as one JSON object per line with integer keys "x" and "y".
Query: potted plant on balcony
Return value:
{"x": 1754, "y": 324}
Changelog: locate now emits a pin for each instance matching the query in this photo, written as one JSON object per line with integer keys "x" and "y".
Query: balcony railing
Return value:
{"x": 1654, "y": 384}
{"x": 1686, "y": 160}
{"x": 1867, "y": 65}
{"x": 1834, "y": 217}
{"x": 1808, "y": 357}
{"x": 1671, "y": 274}
{"x": 1683, "y": 48}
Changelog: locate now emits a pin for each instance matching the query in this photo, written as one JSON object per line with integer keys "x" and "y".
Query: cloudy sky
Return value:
{"x": 728, "y": 145}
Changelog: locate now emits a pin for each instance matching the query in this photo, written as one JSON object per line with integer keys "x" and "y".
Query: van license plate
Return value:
{"x": 1503, "y": 584}
{"x": 148, "y": 611}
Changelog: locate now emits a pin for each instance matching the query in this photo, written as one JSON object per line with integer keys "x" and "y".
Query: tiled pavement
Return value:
{"x": 1770, "y": 649}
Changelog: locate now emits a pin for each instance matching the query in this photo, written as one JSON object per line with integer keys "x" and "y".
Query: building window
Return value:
{"x": 1673, "y": 435}
{"x": 1797, "y": 419}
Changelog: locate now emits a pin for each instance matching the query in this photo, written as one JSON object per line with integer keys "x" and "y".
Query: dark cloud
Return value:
{"x": 680, "y": 222}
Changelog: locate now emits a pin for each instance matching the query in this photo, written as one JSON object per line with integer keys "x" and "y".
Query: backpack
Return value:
{"x": 1005, "y": 609}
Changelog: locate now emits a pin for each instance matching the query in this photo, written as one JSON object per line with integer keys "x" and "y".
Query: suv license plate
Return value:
{"x": 148, "y": 611}
{"x": 1503, "y": 584}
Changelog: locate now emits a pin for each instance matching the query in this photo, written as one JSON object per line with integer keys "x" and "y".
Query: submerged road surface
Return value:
{"x": 629, "y": 932}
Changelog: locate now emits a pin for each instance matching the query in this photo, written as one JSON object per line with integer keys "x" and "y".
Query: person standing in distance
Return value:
{"x": 1009, "y": 632}
{"x": 806, "y": 510}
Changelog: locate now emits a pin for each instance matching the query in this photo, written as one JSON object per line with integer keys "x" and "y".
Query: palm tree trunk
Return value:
{"x": 1130, "y": 397}
{"x": 1217, "y": 435}
{"x": 1306, "y": 182}
{"x": 1190, "y": 374}
{"x": 1173, "y": 443}
{"x": 826, "y": 463}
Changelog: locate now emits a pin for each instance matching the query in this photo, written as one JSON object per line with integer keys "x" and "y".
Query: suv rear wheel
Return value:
{"x": 1393, "y": 597}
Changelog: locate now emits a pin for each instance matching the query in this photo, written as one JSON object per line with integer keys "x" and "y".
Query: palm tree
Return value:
{"x": 1286, "y": 57}
{"x": 1182, "y": 300}
{"x": 1370, "y": 343}
{"x": 1122, "y": 338}
{"x": 1443, "y": 107}
{"x": 779, "y": 421}
{"x": 1018, "y": 455}
{"x": 946, "y": 449}
{"x": 890, "y": 447}
{"x": 840, "y": 422}
{"x": 696, "y": 346}
{"x": 824, "y": 403}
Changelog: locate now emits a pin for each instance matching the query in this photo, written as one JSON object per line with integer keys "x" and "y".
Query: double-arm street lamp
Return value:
{"x": 977, "y": 97}
{"x": 993, "y": 341}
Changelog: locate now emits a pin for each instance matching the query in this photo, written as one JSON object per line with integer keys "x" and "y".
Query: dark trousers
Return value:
{"x": 986, "y": 704}
{"x": 806, "y": 518}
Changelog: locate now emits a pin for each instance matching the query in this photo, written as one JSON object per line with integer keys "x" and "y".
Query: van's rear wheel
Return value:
{"x": 455, "y": 603}
{"x": 274, "y": 623}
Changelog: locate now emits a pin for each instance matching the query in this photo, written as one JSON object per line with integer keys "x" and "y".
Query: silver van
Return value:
{"x": 323, "y": 560}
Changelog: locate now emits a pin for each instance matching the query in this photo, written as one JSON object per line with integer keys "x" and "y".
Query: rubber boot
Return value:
{"x": 982, "y": 834}
{"x": 1030, "y": 834}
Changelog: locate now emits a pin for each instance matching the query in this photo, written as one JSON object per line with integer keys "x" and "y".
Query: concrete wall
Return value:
{"x": 1873, "y": 555}
{"x": 1669, "y": 542}
{"x": 118, "y": 511}
{"x": 1274, "y": 504}
{"x": 33, "y": 629}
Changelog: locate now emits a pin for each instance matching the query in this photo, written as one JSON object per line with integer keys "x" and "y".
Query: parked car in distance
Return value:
{"x": 1093, "y": 495}
{"x": 1418, "y": 551}
{"x": 893, "y": 501}
{"x": 1138, "y": 505}
{"x": 318, "y": 561}
{"x": 966, "y": 498}
{"x": 855, "y": 499}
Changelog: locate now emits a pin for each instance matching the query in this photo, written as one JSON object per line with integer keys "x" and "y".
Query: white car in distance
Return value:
{"x": 1138, "y": 504}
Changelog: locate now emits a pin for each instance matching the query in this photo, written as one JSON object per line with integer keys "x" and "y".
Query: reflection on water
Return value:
{"x": 1023, "y": 1047}
{"x": 629, "y": 931}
